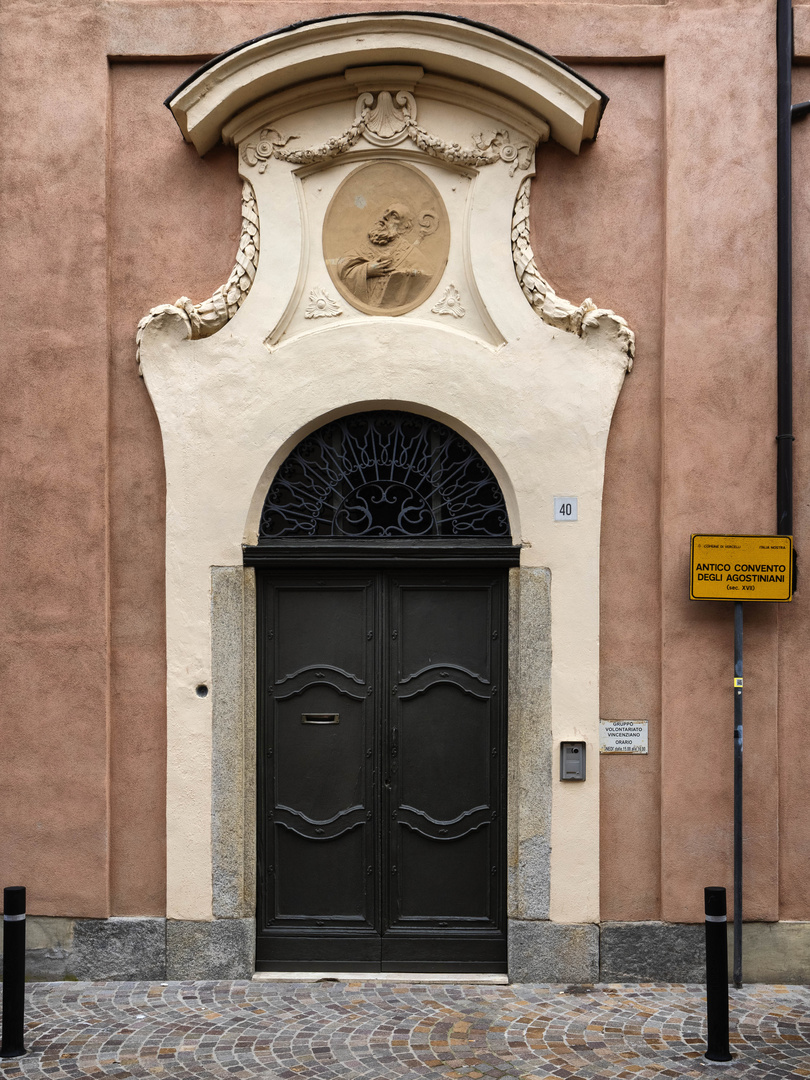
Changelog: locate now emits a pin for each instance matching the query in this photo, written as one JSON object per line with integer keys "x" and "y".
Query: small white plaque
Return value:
{"x": 623, "y": 737}
{"x": 565, "y": 508}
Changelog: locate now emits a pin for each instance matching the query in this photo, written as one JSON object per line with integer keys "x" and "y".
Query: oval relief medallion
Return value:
{"x": 386, "y": 237}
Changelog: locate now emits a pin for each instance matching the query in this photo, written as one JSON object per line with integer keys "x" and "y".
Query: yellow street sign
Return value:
{"x": 741, "y": 568}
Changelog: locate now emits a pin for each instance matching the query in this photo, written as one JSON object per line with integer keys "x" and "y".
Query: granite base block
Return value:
{"x": 652, "y": 952}
{"x": 221, "y": 949}
{"x": 122, "y": 948}
{"x": 550, "y": 952}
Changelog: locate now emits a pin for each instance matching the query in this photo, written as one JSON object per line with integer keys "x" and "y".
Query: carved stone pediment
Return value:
{"x": 392, "y": 127}
{"x": 382, "y": 143}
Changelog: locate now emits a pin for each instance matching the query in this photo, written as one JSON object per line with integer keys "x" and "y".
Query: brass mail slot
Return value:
{"x": 320, "y": 718}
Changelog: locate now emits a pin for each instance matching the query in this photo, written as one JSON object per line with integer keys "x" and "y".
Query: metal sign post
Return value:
{"x": 738, "y": 781}
{"x": 740, "y": 568}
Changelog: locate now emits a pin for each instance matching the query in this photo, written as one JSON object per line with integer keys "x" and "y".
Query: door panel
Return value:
{"x": 440, "y": 882}
{"x": 310, "y": 614}
{"x": 446, "y": 785}
{"x": 317, "y": 829}
{"x": 304, "y": 892}
{"x": 382, "y": 755}
{"x": 444, "y": 753}
{"x": 442, "y": 625}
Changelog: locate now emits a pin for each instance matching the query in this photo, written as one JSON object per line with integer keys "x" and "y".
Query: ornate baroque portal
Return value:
{"x": 385, "y": 376}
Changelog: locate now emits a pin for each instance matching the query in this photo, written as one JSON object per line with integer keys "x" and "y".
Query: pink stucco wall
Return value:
{"x": 669, "y": 218}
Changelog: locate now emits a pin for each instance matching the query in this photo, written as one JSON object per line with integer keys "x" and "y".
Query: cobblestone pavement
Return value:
{"x": 373, "y": 1031}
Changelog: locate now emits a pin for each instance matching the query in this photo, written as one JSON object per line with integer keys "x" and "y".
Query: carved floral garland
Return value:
{"x": 551, "y": 308}
{"x": 388, "y": 125}
{"x": 211, "y": 315}
{"x": 271, "y": 142}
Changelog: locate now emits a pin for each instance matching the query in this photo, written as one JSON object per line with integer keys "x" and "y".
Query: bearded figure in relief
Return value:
{"x": 388, "y": 272}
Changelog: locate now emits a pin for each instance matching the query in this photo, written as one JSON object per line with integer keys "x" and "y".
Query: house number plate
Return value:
{"x": 565, "y": 508}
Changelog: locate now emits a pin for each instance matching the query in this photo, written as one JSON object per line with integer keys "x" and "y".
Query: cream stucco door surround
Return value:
{"x": 430, "y": 125}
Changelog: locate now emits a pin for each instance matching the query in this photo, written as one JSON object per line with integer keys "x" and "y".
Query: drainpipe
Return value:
{"x": 786, "y": 115}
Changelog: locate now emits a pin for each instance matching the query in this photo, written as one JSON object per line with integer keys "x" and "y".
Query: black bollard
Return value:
{"x": 13, "y": 972}
{"x": 716, "y": 974}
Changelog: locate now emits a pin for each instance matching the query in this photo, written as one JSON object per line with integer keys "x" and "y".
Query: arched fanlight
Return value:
{"x": 384, "y": 474}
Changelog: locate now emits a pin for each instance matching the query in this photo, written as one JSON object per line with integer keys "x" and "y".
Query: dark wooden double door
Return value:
{"x": 382, "y": 759}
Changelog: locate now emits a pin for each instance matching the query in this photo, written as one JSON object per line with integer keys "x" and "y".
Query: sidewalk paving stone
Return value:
{"x": 374, "y": 1031}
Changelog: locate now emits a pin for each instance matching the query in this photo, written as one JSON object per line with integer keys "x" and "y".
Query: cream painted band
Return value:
{"x": 14, "y": 918}
{"x": 716, "y": 918}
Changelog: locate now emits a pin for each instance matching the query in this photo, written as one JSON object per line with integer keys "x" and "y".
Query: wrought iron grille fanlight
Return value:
{"x": 384, "y": 474}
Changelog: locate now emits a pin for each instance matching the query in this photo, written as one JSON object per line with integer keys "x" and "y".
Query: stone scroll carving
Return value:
{"x": 551, "y": 308}
{"x": 211, "y": 315}
{"x": 386, "y": 120}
